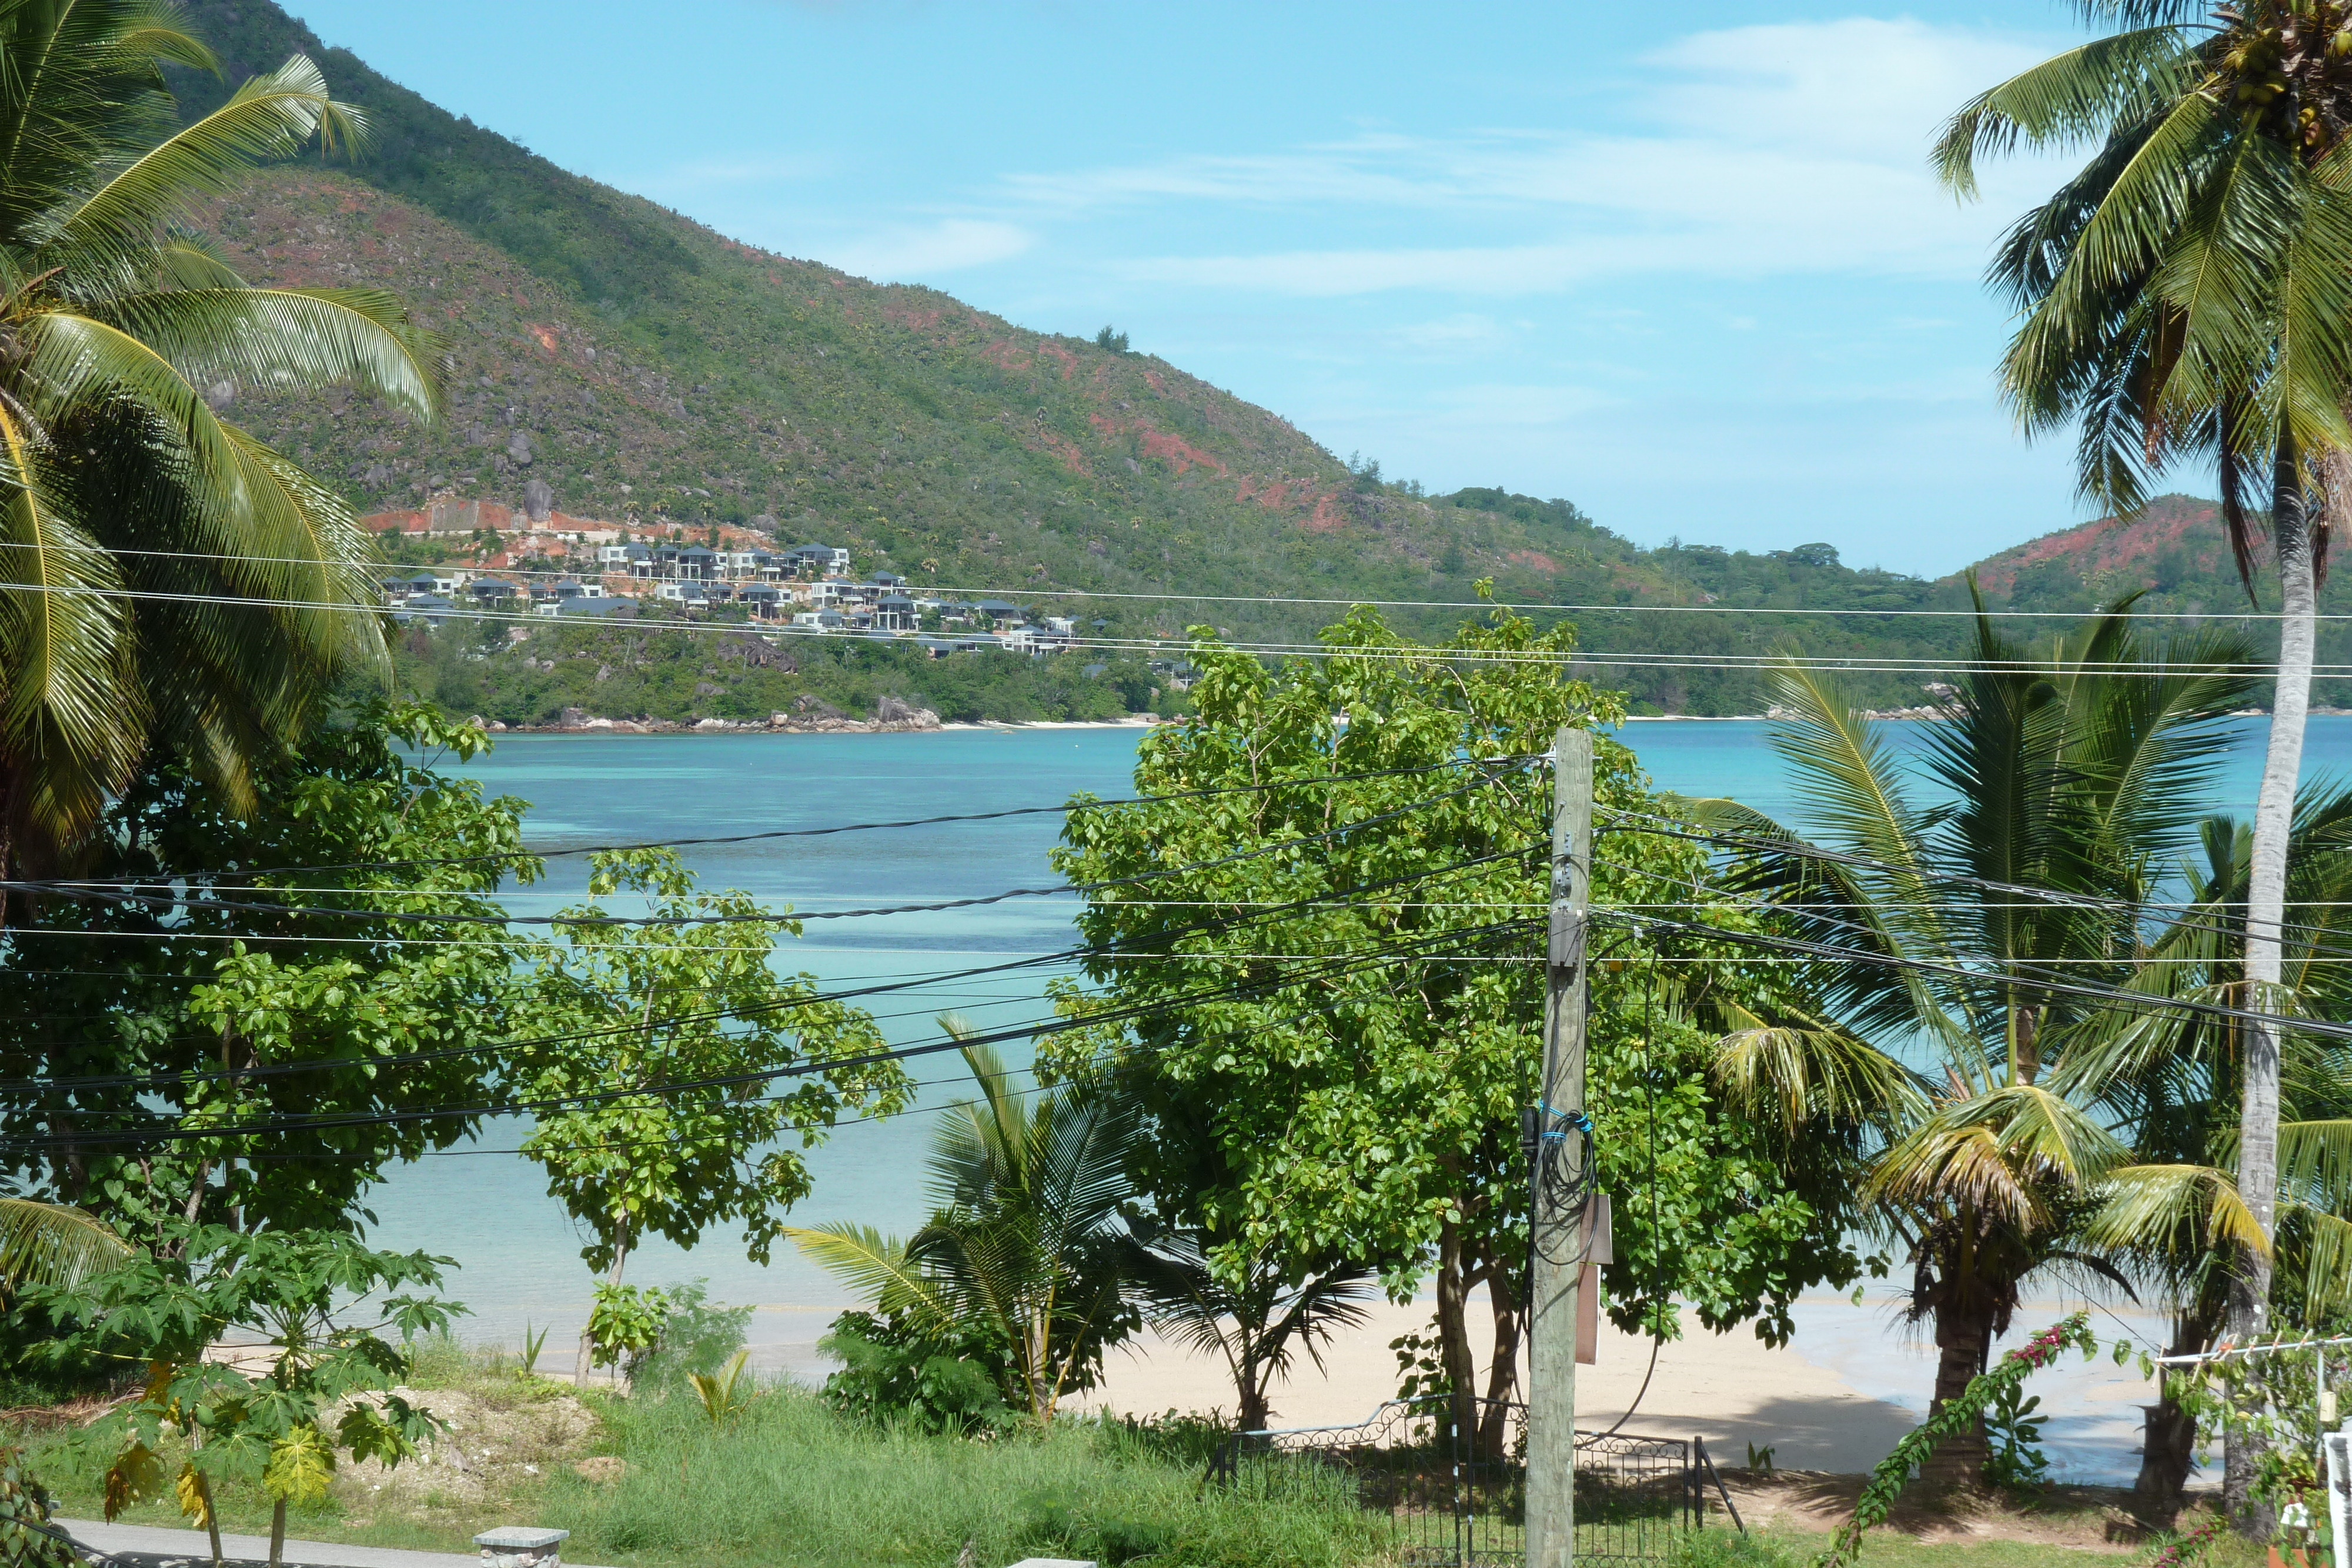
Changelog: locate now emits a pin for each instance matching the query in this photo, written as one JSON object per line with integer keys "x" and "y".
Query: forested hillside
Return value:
{"x": 641, "y": 366}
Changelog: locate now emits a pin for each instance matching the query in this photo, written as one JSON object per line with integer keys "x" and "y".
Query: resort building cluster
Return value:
{"x": 806, "y": 589}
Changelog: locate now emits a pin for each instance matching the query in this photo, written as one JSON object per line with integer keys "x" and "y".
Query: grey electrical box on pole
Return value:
{"x": 1556, "y": 1228}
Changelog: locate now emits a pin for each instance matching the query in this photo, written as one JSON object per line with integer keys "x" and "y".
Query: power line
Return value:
{"x": 1074, "y": 955}
{"x": 172, "y": 901}
{"x": 1851, "y": 664}
{"x": 1798, "y": 848}
{"x": 2113, "y": 995}
{"x": 1033, "y": 593}
{"x": 1340, "y": 965}
{"x": 940, "y": 820}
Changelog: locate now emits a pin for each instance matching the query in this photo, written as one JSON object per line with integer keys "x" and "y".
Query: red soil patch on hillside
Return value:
{"x": 1069, "y": 360}
{"x": 2115, "y": 544}
{"x": 1326, "y": 517}
{"x": 1173, "y": 450}
{"x": 1004, "y": 356}
{"x": 1273, "y": 495}
{"x": 1063, "y": 447}
{"x": 1151, "y": 378}
{"x": 546, "y": 336}
{"x": 909, "y": 317}
{"x": 1534, "y": 561}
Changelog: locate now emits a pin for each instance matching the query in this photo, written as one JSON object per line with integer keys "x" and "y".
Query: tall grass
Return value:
{"x": 791, "y": 1482}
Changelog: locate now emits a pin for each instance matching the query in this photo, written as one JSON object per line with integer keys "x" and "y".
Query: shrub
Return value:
{"x": 697, "y": 1336}
{"x": 890, "y": 1371}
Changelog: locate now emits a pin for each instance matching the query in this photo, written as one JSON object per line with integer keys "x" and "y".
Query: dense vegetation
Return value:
{"x": 681, "y": 672}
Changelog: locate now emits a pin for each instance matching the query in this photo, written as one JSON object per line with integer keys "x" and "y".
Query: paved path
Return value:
{"x": 158, "y": 1546}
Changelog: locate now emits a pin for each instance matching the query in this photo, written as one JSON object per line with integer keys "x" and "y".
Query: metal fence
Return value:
{"x": 1454, "y": 1491}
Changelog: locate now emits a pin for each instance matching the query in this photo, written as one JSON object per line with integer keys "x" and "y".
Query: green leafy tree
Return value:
{"x": 326, "y": 1388}
{"x": 1355, "y": 1092}
{"x": 148, "y": 1019}
{"x": 1025, "y": 1249}
{"x": 670, "y": 1058}
{"x": 2188, "y": 296}
{"x": 2056, "y": 775}
{"x": 128, "y": 508}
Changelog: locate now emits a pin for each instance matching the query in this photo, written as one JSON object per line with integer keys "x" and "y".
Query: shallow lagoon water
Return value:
{"x": 518, "y": 1251}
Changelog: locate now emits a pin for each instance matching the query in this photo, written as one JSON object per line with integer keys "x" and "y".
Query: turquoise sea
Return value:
{"x": 519, "y": 1256}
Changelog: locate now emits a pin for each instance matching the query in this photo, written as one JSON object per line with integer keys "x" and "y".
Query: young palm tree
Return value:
{"x": 164, "y": 577}
{"x": 2058, "y": 777}
{"x": 1026, "y": 1241}
{"x": 1257, "y": 1327}
{"x": 2189, "y": 295}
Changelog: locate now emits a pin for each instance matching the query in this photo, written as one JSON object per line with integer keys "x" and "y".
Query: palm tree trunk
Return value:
{"x": 2169, "y": 1450}
{"x": 1255, "y": 1407}
{"x": 1963, "y": 1335}
{"x": 2250, "y": 1288}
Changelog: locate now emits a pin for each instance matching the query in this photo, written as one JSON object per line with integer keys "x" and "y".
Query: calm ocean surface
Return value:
{"x": 519, "y": 1255}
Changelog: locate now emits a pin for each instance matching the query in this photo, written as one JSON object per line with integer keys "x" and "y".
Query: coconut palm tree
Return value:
{"x": 1026, "y": 1244}
{"x": 2189, "y": 295}
{"x": 166, "y": 579}
{"x": 2060, "y": 776}
{"x": 2170, "y": 1079}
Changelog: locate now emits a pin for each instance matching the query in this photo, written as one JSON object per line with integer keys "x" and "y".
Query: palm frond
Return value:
{"x": 50, "y": 1244}
{"x": 876, "y": 1267}
{"x": 70, "y": 698}
{"x": 1796, "y": 1076}
{"x": 2173, "y": 1211}
{"x": 2080, "y": 95}
{"x": 269, "y": 117}
{"x": 285, "y": 337}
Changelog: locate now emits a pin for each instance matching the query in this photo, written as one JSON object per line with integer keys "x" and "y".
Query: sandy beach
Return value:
{"x": 1836, "y": 1399}
{"x": 1729, "y": 1390}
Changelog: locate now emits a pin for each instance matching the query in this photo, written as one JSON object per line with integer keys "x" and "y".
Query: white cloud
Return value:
{"x": 907, "y": 254}
{"x": 1746, "y": 152}
{"x": 1492, "y": 405}
{"x": 1464, "y": 333}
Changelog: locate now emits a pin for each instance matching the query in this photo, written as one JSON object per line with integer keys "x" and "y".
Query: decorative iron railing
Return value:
{"x": 1451, "y": 1478}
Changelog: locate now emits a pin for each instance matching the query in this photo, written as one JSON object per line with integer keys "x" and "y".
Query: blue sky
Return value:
{"x": 1691, "y": 274}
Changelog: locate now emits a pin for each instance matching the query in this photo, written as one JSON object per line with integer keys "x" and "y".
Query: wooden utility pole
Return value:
{"x": 1556, "y": 1229}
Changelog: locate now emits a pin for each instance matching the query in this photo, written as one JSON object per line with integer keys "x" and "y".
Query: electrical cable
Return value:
{"x": 2112, "y": 994}
{"x": 1033, "y": 593}
{"x": 1064, "y": 808}
{"x": 1341, "y": 966}
{"x": 2029, "y": 894}
{"x": 1853, "y": 663}
{"x": 1079, "y": 955}
{"x": 172, "y": 901}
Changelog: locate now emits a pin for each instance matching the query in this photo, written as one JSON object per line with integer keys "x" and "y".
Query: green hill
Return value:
{"x": 653, "y": 368}
{"x": 642, "y": 366}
